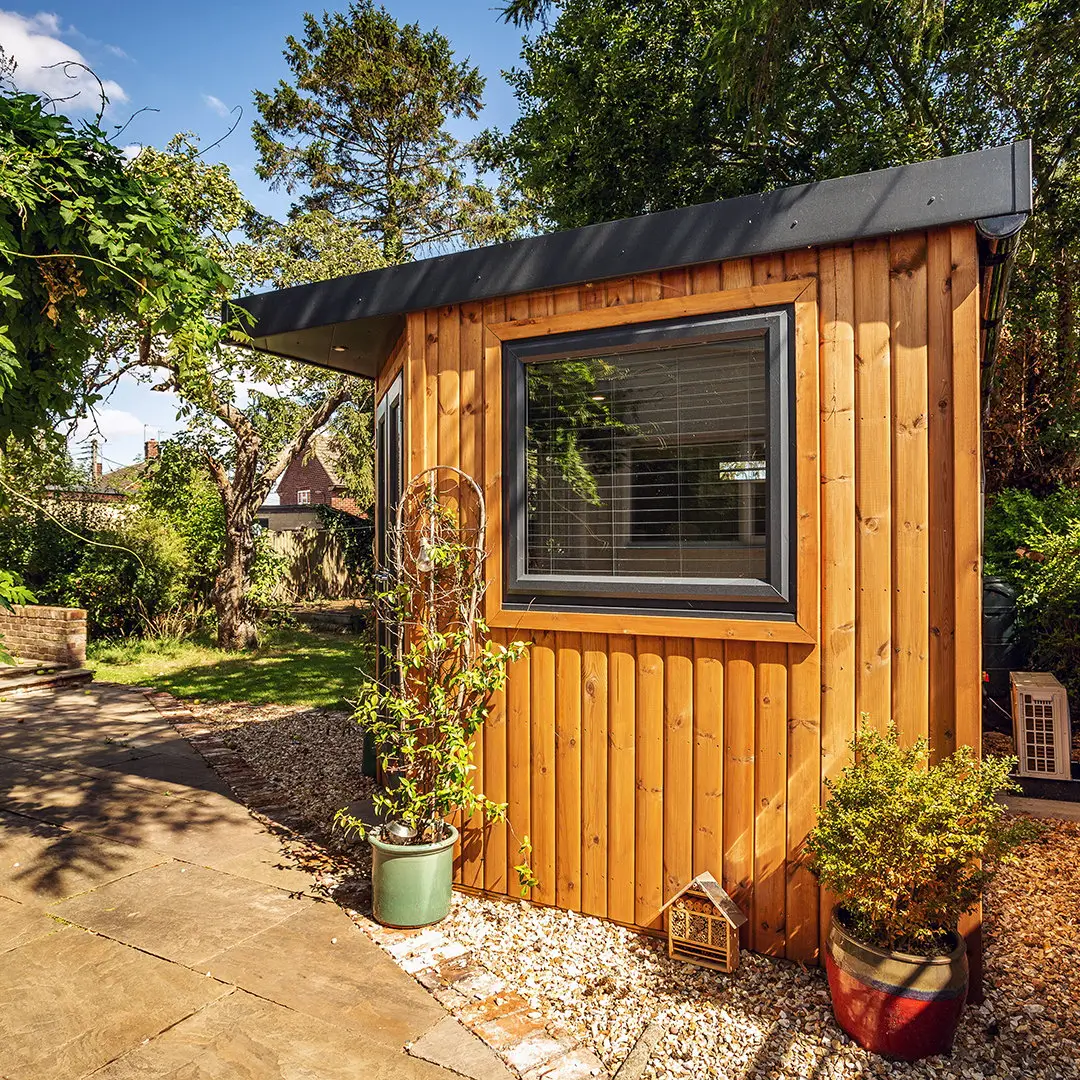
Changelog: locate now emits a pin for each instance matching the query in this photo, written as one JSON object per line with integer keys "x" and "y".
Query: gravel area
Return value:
{"x": 771, "y": 1019}
{"x": 315, "y": 755}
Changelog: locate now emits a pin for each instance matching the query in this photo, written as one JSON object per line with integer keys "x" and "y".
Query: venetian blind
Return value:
{"x": 650, "y": 463}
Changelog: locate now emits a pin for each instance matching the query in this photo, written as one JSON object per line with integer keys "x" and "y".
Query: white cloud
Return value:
{"x": 216, "y": 104}
{"x": 131, "y": 151}
{"x": 34, "y": 43}
{"x": 108, "y": 424}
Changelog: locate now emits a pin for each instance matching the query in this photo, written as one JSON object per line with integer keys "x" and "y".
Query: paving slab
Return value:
{"x": 71, "y": 1002}
{"x": 181, "y": 912}
{"x": 20, "y": 924}
{"x": 450, "y": 1044}
{"x": 1044, "y": 808}
{"x": 242, "y": 1037}
{"x": 206, "y": 830}
{"x": 319, "y": 963}
{"x": 40, "y": 863}
{"x": 270, "y": 866}
{"x": 156, "y": 874}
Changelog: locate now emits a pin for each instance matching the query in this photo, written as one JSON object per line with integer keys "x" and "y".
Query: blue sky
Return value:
{"x": 194, "y": 61}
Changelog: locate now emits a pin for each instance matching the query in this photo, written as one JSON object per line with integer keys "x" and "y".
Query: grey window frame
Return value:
{"x": 772, "y": 597}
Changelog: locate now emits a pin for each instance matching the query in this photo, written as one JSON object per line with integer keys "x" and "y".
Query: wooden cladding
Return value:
{"x": 637, "y": 755}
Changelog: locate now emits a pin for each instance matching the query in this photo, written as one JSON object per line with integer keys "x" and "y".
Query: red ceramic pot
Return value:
{"x": 896, "y": 1004}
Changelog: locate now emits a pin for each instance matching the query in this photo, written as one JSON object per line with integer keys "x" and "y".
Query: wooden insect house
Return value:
{"x": 703, "y": 924}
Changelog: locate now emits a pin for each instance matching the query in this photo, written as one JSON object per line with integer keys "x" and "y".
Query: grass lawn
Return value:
{"x": 292, "y": 667}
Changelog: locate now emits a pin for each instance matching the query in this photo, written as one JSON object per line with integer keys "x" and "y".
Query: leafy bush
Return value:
{"x": 12, "y": 592}
{"x": 438, "y": 675}
{"x": 142, "y": 569}
{"x": 268, "y": 569}
{"x": 142, "y": 573}
{"x": 1035, "y": 544}
{"x": 908, "y": 849}
{"x": 177, "y": 488}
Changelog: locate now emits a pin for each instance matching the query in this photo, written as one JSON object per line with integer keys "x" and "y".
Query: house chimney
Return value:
{"x": 150, "y": 449}
{"x": 95, "y": 461}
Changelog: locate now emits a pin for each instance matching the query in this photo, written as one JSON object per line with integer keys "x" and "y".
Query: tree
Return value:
{"x": 790, "y": 92}
{"x": 361, "y": 132}
{"x": 82, "y": 240}
{"x": 250, "y": 414}
{"x": 622, "y": 114}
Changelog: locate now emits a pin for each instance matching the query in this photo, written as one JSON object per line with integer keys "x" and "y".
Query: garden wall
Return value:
{"x": 51, "y": 634}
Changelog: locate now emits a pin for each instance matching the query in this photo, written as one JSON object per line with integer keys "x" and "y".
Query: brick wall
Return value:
{"x": 305, "y": 475}
{"x": 53, "y": 634}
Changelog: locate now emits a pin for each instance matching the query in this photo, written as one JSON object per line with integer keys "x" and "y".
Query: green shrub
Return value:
{"x": 142, "y": 573}
{"x": 908, "y": 849}
{"x": 1035, "y": 544}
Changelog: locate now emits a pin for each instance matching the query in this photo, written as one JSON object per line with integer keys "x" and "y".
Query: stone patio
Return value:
{"x": 151, "y": 927}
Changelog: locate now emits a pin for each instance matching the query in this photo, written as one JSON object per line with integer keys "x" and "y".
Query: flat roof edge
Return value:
{"x": 944, "y": 191}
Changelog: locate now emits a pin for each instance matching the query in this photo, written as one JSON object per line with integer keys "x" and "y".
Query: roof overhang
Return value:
{"x": 352, "y": 323}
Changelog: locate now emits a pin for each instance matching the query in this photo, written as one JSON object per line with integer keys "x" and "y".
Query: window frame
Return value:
{"x": 709, "y": 597}
{"x": 804, "y": 629}
{"x": 303, "y": 496}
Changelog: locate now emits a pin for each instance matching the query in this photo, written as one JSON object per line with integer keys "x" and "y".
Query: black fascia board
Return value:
{"x": 943, "y": 191}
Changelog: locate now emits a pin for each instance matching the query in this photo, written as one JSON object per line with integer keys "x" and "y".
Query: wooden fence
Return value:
{"x": 316, "y": 567}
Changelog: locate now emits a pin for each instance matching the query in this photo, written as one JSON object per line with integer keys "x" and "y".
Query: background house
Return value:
{"x": 311, "y": 480}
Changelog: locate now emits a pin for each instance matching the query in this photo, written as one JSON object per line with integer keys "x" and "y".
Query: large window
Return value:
{"x": 649, "y": 466}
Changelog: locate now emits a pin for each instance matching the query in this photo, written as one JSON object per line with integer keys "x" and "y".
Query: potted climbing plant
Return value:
{"x": 438, "y": 670}
{"x": 907, "y": 848}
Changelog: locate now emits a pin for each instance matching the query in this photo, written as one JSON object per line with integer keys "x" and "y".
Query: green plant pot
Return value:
{"x": 410, "y": 883}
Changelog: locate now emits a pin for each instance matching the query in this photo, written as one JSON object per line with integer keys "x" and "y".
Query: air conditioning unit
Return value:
{"x": 1042, "y": 731}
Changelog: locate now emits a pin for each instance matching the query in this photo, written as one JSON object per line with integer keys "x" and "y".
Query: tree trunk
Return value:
{"x": 236, "y": 622}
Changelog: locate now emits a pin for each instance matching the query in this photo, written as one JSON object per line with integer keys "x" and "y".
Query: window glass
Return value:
{"x": 649, "y": 463}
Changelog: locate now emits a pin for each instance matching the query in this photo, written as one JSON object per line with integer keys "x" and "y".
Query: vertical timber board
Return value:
{"x": 910, "y": 483}
{"x": 674, "y": 283}
{"x": 801, "y": 921}
{"x": 622, "y": 778}
{"x": 649, "y": 763}
{"x": 770, "y": 804}
{"x": 493, "y": 781}
{"x": 441, "y": 440}
{"x": 838, "y": 526}
{"x": 708, "y": 851}
{"x": 595, "y": 790}
{"x": 968, "y": 488}
{"x": 802, "y": 728}
{"x": 542, "y": 730}
{"x": 942, "y": 705}
{"x": 415, "y": 380}
{"x": 678, "y": 764}
{"x": 472, "y": 414}
{"x": 736, "y": 274}
{"x": 494, "y": 311}
{"x": 705, "y": 278}
{"x": 967, "y": 538}
{"x": 431, "y": 390}
{"x": 518, "y": 763}
{"x": 568, "y": 771}
{"x": 739, "y": 802}
{"x": 873, "y": 484}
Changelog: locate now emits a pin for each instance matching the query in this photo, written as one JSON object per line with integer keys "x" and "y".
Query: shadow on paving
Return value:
{"x": 85, "y": 778}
